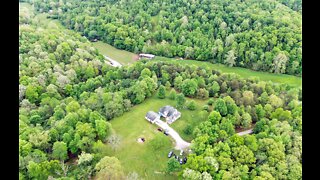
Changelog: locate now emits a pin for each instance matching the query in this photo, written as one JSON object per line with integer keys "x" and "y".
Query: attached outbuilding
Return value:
{"x": 152, "y": 116}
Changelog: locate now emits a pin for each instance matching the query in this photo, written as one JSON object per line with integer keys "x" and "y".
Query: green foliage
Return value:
{"x": 181, "y": 100}
{"x": 189, "y": 87}
{"x": 157, "y": 142}
{"x": 162, "y": 92}
{"x": 173, "y": 165}
{"x": 221, "y": 107}
{"x": 109, "y": 168}
{"x": 276, "y": 46}
{"x": 191, "y": 105}
{"x": 60, "y": 150}
{"x": 172, "y": 94}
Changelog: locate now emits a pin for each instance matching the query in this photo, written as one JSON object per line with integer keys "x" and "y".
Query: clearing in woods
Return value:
{"x": 122, "y": 56}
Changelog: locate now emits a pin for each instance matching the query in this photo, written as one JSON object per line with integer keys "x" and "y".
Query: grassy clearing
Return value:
{"x": 122, "y": 56}
{"x": 139, "y": 157}
{"x": 126, "y": 57}
{"x": 243, "y": 72}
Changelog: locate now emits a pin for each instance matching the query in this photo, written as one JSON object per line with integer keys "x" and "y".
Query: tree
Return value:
{"x": 32, "y": 94}
{"x": 172, "y": 94}
{"x": 162, "y": 92}
{"x": 215, "y": 88}
{"x": 181, "y": 100}
{"x": 103, "y": 129}
{"x": 280, "y": 63}
{"x": 221, "y": 107}
{"x": 214, "y": 117}
{"x": 190, "y": 174}
{"x": 146, "y": 72}
{"x": 191, "y": 105}
{"x": 60, "y": 150}
{"x": 246, "y": 120}
{"x": 109, "y": 168}
{"x": 189, "y": 87}
{"x": 85, "y": 158}
{"x": 248, "y": 98}
{"x": 230, "y": 58}
{"x": 275, "y": 101}
{"x": 73, "y": 106}
{"x": 173, "y": 165}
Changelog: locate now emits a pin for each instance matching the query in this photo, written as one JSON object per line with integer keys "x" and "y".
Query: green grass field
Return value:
{"x": 243, "y": 72}
{"x": 132, "y": 125}
{"x": 124, "y": 57}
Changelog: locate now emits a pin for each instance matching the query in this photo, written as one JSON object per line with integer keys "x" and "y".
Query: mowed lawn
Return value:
{"x": 243, "y": 72}
{"x": 122, "y": 56}
{"x": 139, "y": 157}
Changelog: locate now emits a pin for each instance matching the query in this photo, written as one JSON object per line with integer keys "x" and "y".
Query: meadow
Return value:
{"x": 122, "y": 56}
{"x": 140, "y": 157}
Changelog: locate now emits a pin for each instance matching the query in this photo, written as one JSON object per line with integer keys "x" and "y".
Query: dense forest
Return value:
{"x": 260, "y": 35}
{"x": 68, "y": 95}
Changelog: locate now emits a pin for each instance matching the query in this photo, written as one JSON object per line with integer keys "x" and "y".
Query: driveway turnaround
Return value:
{"x": 180, "y": 143}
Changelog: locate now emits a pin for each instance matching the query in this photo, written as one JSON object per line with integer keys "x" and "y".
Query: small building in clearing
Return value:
{"x": 148, "y": 56}
{"x": 169, "y": 113}
{"x": 152, "y": 116}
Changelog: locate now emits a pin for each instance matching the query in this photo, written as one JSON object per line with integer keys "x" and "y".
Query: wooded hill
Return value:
{"x": 260, "y": 35}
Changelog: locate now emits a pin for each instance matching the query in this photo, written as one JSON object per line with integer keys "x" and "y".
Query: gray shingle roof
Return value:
{"x": 152, "y": 115}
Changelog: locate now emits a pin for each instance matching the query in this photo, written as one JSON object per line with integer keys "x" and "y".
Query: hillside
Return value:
{"x": 260, "y": 35}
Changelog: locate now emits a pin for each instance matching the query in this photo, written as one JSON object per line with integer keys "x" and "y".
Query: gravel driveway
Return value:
{"x": 180, "y": 143}
{"x": 113, "y": 63}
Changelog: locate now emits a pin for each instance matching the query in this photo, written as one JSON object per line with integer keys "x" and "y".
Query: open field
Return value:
{"x": 243, "y": 72}
{"x": 122, "y": 56}
{"x": 139, "y": 157}
{"x": 125, "y": 57}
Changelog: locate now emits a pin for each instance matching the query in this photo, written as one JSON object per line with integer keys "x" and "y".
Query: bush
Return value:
{"x": 172, "y": 94}
{"x": 191, "y": 105}
{"x": 210, "y": 101}
{"x": 188, "y": 129}
{"x": 206, "y": 108}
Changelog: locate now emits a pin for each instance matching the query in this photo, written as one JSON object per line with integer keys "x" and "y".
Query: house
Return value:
{"x": 152, "y": 116}
{"x": 148, "y": 56}
{"x": 169, "y": 113}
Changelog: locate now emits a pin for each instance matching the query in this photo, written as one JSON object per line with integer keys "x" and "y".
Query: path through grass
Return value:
{"x": 122, "y": 56}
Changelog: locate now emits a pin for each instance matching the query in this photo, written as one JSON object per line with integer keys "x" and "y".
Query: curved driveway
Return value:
{"x": 180, "y": 143}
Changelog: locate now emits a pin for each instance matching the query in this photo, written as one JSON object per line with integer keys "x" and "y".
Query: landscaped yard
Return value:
{"x": 124, "y": 57}
{"x": 139, "y": 157}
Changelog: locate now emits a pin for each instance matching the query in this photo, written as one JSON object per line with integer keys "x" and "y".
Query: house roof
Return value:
{"x": 152, "y": 115}
{"x": 169, "y": 111}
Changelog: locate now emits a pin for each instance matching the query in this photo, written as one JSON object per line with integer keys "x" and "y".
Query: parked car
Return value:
{"x": 177, "y": 158}
{"x": 166, "y": 133}
{"x": 159, "y": 129}
{"x": 181, "y": 152}
{"x": 184, "y": 160}
{"x": 181, "y": 161}
{"x": 170, "y": 154}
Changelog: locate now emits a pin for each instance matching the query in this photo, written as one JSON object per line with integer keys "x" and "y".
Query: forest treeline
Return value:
{"x": 260, "y": 35}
